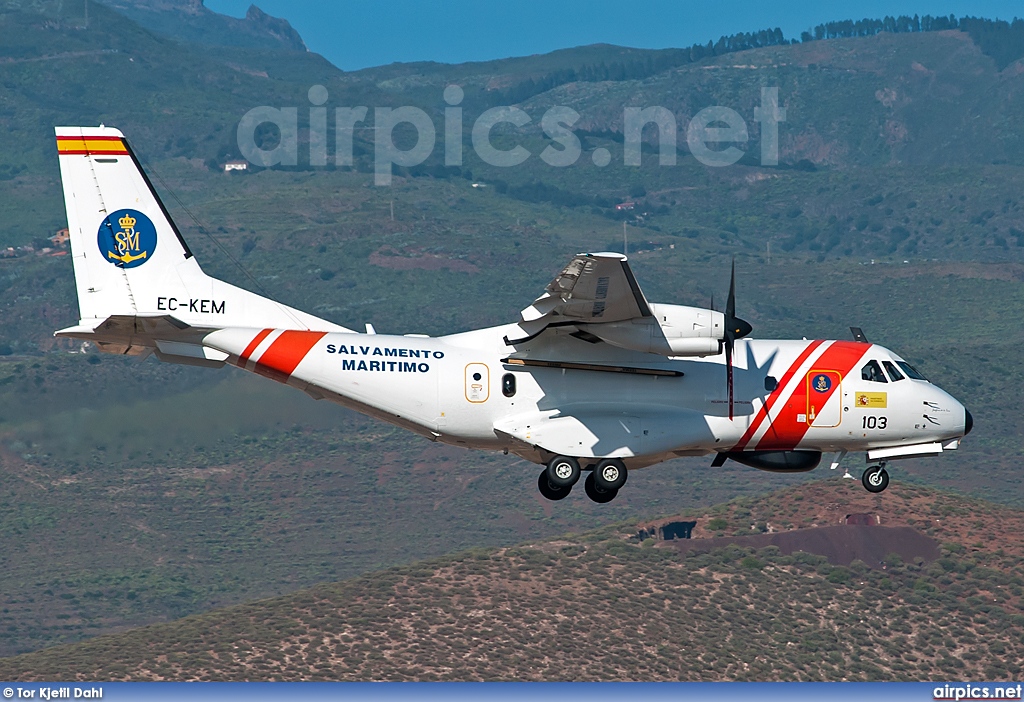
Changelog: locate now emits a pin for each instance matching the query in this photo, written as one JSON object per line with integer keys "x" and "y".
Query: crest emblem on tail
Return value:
{"x": 127, "y": 238}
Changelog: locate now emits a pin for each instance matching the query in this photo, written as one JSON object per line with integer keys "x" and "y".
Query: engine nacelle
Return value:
{"x": 673, "y": 330}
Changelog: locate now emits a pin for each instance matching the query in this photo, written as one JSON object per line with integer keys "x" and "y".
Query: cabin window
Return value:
{"x": 508, "y": 385}
{"x": 910, "y": 370}
{"x": 873, "y": 372}
{"x": 770, "y": 383}
{"x": 894, "y": 374}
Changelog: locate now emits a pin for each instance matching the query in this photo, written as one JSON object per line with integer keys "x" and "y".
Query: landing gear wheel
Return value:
{"x": 550, "y": 491}
{"x": 597, "y": 494}
{"x": 875, "y": 479}
{"x": 610, "y": 474}
{"x": 563, "y": 471}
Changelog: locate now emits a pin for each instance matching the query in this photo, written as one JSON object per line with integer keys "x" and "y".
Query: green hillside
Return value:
{"x": 141, "y": 492}
{"x": 603, "y": 605}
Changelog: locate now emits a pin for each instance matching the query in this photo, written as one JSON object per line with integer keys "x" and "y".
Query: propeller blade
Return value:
{"x": 728, "y": 373}
{"x": 730, "y": 303}
{"x": 735, "y": 328}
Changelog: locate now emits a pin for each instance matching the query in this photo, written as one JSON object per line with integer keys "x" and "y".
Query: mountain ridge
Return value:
{"x": 191, "y": 21}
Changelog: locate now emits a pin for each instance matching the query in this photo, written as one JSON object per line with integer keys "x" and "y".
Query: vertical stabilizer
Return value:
{"x": 130, "y": 259}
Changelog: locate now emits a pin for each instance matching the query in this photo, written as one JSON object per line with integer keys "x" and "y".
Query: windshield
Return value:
{"x": 894, "y": 374}
{"x": 910, "y": 370}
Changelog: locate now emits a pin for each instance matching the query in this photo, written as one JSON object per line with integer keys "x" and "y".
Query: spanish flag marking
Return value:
{"x": 95, "y": 145}
{"x": 872, "y": 399}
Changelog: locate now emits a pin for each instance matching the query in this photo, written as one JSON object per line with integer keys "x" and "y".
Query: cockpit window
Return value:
{"x": 873, "y": 372}
{"x": 894, "y": 374}
{"x": 910, "y": 370}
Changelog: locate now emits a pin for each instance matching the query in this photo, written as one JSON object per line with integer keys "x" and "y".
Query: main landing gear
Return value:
{"x": 555, "y": 482}
{"x": 875, "y": 478}
{"x": 602, "y": 485}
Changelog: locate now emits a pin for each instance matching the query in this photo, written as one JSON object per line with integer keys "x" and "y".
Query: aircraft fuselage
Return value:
{"x": 471, "y": 390}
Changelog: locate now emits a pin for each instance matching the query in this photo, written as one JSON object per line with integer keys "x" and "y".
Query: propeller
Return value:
{"x": 735, "y": 328}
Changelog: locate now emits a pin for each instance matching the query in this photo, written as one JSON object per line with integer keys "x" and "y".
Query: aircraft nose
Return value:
{"x": 968, "y": 421}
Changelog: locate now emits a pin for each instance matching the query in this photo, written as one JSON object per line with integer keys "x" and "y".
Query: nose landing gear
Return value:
{"x": 875, "y": 478}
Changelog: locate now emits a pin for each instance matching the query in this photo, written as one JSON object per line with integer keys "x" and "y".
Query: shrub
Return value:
{"x": 839, "y": 575}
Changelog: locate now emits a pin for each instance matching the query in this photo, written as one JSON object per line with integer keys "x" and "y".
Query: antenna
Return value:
{"x": 625, "y": 240}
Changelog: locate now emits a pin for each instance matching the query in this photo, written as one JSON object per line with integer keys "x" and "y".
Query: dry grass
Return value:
{"x": 601, "y": 606}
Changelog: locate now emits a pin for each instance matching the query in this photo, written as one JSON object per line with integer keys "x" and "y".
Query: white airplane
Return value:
{"x": 592, "y": 377}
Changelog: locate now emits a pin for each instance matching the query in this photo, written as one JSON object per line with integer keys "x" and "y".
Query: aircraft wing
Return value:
{"x": 593, "y": 288}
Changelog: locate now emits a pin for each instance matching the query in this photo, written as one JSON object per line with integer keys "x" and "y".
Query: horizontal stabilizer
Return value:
{"x": 189, "y": 354}
{"x": 173, "y": 340}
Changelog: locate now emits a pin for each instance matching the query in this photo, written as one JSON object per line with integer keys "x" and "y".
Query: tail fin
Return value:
{"x": 131, "y": 261}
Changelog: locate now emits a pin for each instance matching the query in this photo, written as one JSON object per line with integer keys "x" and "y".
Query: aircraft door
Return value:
{"x": 824, "y": 398}
{"x": 478, "y": 382}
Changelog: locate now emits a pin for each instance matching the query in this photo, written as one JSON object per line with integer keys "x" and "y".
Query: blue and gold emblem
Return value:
{"x": 127, "y": 238}
{"x": 821, "y": 383}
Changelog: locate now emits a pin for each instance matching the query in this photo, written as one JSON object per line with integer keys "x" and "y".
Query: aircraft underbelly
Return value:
{"x": 591, "y": 432}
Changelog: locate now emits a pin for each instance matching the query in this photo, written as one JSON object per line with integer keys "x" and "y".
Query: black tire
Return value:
{"x": 875, "y": 479}
{"x": 610, "y": 474}
{"x": 563, "y": 471}
{"x": 596, "y": 494}
{"x": 550, "y": 491}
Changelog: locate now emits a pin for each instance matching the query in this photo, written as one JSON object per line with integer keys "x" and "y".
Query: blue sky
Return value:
{"x": 367, "y": 33}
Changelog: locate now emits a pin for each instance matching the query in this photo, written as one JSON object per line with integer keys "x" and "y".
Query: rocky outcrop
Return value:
{"x": 192, "y": 21}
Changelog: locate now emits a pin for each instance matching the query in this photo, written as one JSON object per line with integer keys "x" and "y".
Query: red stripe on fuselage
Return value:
{"x": 768, "y": 404}
{"x": 251, "y": 348}
{"x": 785, "y": 432}
{"x": 280, "y": 360}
